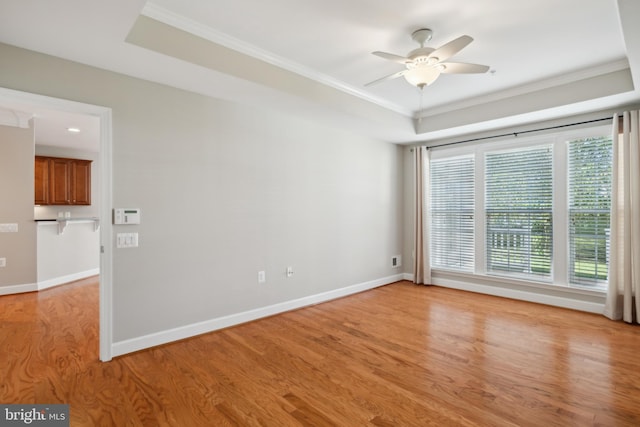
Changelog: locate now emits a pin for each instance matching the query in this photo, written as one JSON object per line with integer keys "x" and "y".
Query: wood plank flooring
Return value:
{"x": 399, "y": 355}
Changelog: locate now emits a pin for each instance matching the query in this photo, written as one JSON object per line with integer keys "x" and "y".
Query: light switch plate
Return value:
{"x": 9, "y": 228}
{"x": 127, "y": 240}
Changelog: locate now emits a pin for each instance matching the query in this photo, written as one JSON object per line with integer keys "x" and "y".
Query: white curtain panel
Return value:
{"x": 421, "y": 263}
{"x": 623, "y": 300}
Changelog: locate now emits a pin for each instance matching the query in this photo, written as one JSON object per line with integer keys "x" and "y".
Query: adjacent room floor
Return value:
{"x": 399, "y": 355}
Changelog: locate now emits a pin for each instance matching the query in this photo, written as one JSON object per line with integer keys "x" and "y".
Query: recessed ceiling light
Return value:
{"x": 73, "y": 130}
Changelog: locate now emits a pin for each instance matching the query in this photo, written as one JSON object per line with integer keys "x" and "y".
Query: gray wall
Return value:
{"x": 227, "y": 190}
{"x": 16, "y": 206}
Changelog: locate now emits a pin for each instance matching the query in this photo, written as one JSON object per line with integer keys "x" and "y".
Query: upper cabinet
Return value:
{"x": 81, "y": 182}
{"x": 42, "y": 181}
{"x": 61, "y": 181}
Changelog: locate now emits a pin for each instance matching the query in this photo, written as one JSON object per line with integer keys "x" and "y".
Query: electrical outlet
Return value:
{"x": 262, "y": 277}
{"x": 289, "y": 271}
{"x": 396, "y": 261}
{"x": 3, "y": 262}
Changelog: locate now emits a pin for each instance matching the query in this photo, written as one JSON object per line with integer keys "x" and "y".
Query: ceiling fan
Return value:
{"x": 424, "y": 64}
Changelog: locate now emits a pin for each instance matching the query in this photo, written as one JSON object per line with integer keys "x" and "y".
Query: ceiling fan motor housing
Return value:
{"x": 422, "y": 36}
{"x": 420, "y": 57}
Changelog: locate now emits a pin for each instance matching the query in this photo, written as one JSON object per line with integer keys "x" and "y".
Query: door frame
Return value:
{"x": 104, "y": 114}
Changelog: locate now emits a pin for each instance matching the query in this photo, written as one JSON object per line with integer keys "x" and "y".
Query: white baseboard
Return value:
{"x": 135, "y": 344}
{"x": 557, "y": 301}
{"x": 540, "y": 298}
{"x": 18, "y": 289}
{"x": 45, "y": 284}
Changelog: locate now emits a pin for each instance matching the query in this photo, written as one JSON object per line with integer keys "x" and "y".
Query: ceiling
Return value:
{"x": 52, "y": 126}
{"x": 548, "y": 59}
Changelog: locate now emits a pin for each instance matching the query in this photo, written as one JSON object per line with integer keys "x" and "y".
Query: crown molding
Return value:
{"x": 188, "y": 25}
{"x": 560, "y": 80}
{"x": 14, "y": 118}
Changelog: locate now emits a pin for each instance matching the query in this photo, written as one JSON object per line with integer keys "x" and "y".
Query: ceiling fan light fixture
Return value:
{"x": 422, "y": 76}
{"x": 425, "y": 64}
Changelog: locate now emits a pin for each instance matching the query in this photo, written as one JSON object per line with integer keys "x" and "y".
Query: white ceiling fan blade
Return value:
{"x": 446, "y": 51}
{"x": 392, "y": 57}
{"x": 463, "y": 68}
{"x": 389, "y": 77}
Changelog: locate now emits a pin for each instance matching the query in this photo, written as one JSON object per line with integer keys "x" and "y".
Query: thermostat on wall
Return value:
{"x": 126, "y": 216}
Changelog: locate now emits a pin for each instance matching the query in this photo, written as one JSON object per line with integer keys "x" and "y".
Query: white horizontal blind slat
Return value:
{"x": 590, "y": 162}
{"x": 452, "y": 207}
{"x": 519, "y": 204}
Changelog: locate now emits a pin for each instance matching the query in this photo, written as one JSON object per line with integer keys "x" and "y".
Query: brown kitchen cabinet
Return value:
{"x": 62, "y": 181}
{"x": 81, "y": 182}
{"x": 42, "y": 181}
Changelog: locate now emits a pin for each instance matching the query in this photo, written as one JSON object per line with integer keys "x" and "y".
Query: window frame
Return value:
{"x": 559, "y": 276}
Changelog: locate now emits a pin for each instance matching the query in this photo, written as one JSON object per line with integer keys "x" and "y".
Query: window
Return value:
{"x": 452, "y": 213}
{"x": 519, "y": 202}
{"x": 590, "y": 163}
{"x": 535, "y": 209}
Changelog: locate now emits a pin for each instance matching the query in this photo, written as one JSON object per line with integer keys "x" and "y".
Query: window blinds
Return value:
{"x": 452, "y": 213}
{"x": 590, "y": 162}
{"x": 519, "y": 203}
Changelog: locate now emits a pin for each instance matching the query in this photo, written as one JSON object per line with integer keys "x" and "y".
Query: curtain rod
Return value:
{"x": 517, "y": 133}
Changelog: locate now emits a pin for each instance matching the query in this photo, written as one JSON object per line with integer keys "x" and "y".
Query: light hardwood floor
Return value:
{"x": 399, "y": 355}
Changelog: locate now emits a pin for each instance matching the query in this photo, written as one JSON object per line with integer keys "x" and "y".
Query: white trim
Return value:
{"x": 190, "y": 26}
{"x": 106, "y": 262}
{"x": 9, "y": 95}
{"x": 14, "y": 118}
{"x": 18, "y": 289}
{"x": 106, "y": 233}
{"x": 50, "y": 283}
{"x": 556, "y": 81}
{"x": 557, "y": 301}
{"x": 158, "y": 338}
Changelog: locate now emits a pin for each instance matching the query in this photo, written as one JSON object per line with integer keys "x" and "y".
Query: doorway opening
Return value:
{"x": 31, "y": 103}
